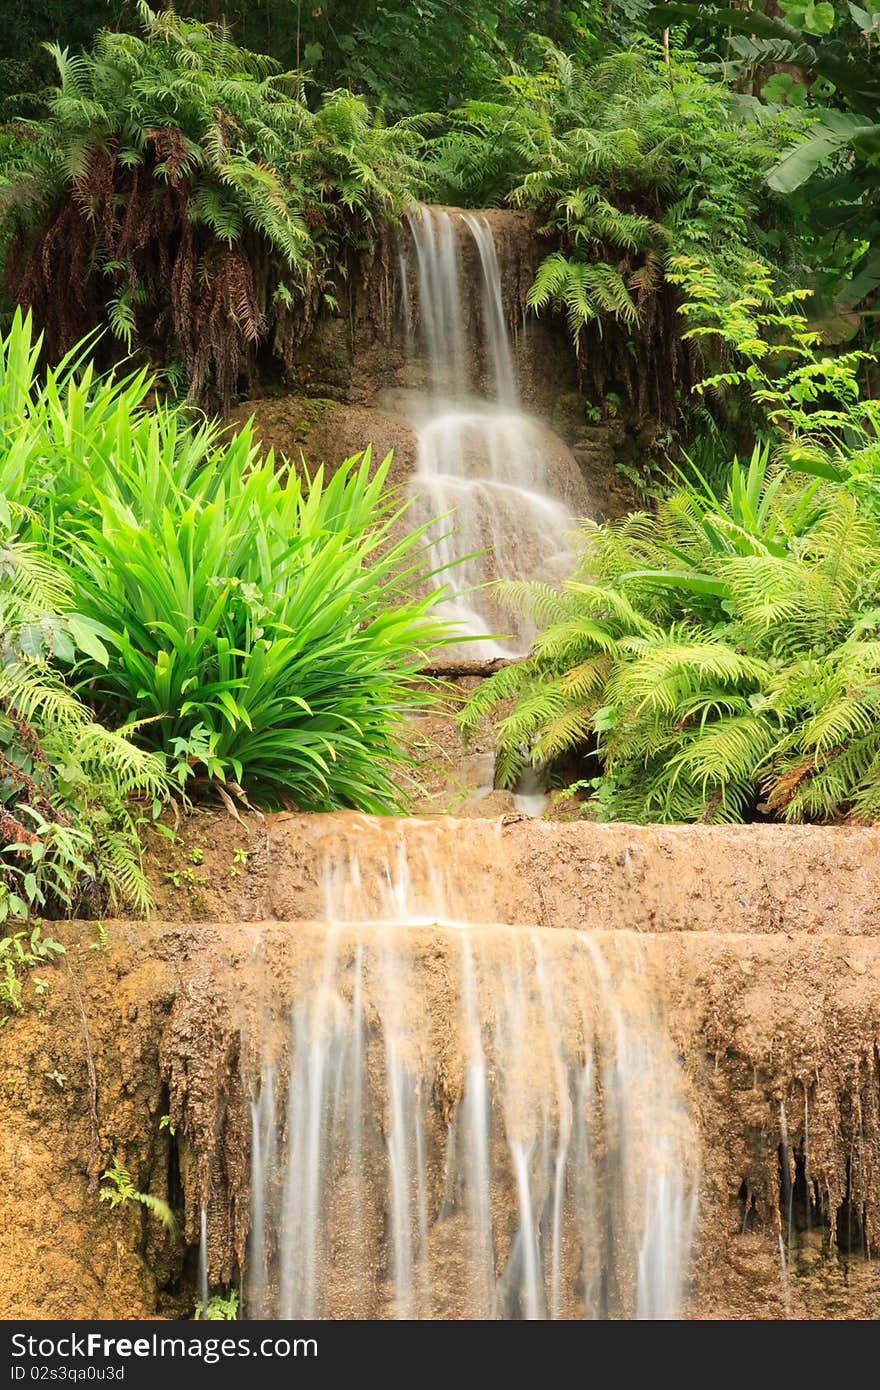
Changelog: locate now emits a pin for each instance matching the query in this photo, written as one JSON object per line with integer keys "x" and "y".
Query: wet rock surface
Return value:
{"x": 763, "y": 954}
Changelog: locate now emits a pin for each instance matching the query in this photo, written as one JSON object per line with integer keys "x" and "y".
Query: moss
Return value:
{"x": 309, "y": 410}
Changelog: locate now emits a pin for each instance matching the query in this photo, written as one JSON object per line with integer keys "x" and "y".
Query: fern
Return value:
{"x": 728, "y": 659}
{"x": 629, "y": 163}
{"x": 584, "y": 291}
{"x": 231, "y": 182}
{"x": 118, "y": 1189}
{"x": 56, "y": 761}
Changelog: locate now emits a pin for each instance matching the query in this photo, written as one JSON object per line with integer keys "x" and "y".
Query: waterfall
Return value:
{"x": 451, "y": 1117}
{"x": 463, "y": 1120}
{"x": 502, "y": 483}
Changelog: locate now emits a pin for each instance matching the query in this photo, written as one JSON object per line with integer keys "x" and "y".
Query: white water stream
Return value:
{"x": 482, "y": 461}
{"x": 455, "y": 1118}
{"x": 465, "y": 1120}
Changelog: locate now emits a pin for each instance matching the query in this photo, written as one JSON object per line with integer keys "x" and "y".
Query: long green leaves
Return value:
{"x": 261, "y": 624}
{"x": 260, "y": 630}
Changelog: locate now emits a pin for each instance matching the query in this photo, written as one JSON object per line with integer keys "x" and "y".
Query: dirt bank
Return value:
{"x": 747, "y": 879}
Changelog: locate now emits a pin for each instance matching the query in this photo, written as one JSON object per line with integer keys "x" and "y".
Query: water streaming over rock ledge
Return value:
{"x": 459, "y": 1121}
{"x": 509, "y": 490}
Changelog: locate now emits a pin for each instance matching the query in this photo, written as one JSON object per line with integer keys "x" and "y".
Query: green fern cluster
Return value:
{"x": 720, "y": 658}
{"x": 69, "y": 787}
{"x": 182, "y": 191}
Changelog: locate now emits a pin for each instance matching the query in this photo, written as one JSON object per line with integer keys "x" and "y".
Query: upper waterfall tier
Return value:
{"x": 481, "y": 459}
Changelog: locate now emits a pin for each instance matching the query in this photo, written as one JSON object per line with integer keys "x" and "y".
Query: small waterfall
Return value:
{"x": 464, "y": 1121}
{"x": 504, "y": 484}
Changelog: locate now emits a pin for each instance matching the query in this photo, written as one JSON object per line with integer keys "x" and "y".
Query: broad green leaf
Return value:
{"x": 836, "y": 131}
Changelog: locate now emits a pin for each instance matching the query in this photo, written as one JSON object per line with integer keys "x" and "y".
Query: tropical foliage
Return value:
{"x": 723, "y": 653}
{"x": 719, "y": 657}
{"x": 187, "y": 197}
{"x": 705, "y": 179}
{"x": 67, "y": 818}
{"x": 773, "y": 358}
{"x": 72, "y": 791}
{"x": 261, "y": 626}
{"x": 178, "y": 612}
{"x": 822, "y": 59}
{"x": 405, "y": 55}
{"x": 627, "y": 161}
{"x": 203, "y": 202}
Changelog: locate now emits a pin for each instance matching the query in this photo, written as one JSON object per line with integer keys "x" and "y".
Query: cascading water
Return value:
{"x": 454, "y": 1118}
{"x": 463, "y": 1120}
{"x": 482, "y": 462}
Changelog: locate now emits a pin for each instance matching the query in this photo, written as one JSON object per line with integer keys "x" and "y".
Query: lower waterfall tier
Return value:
{"x": 522, "y": 1119}
{"x": 467, "y": 1122}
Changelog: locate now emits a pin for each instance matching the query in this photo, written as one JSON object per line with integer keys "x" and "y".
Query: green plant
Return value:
{"x": 809, "y": 397}
{"x": 259, "y": 629}
{"x": 720, "y": 658}
{"x": 219, "y": 1309}
{"x": 179, "y": 184}
{"x": 626, "y": 161}
{"x": 256, "y": 628}
{"x": 118, "y": 1189}
{"x": 19, "y": 954}
{"x": 55, "y": 759}
{"x": 830, "y": 171}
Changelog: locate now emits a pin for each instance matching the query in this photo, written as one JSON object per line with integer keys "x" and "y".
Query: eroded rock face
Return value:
{"x": 750, "y": 879}
{"x": 327, "y": 432}
{"x": 62, "y": 1252}
{"x": 759, "y": 947}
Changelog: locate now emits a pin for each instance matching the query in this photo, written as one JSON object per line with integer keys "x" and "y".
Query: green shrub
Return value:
{"x": 261, "y": 625}
{"x": 67, "y": 816}
{"x": 721, "y": 656}
{"x": 257, "y": 629}
{"x": 626, "y": 162}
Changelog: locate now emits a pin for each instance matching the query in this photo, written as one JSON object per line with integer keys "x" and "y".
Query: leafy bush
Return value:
{"x": 830, "y": 54}
{"x": 256, "y": 629}
{"x": 66, "y": 781}
{"x": 724, "y": 653}
{"x": 809, "y": 398}
{"x": 262, "y": 625}
{"x": 182, "y": 192}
